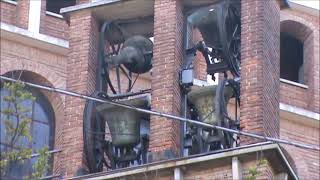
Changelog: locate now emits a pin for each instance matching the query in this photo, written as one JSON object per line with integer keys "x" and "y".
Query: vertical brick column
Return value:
{"x": 23, "y": 13}
{"x": 43, "y": 16}
{"x": 81, "y": 68}
{"x": 260, "y": 62}
{"x": 315, "y": 71}
{"x": 166, "y": 97}
{"x": 200, "y": 64}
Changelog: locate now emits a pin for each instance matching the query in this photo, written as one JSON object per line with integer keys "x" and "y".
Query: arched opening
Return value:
{"x": 41, "y": 129}
{"x": 293, "y": 50}
{"x": 291, "y": 55}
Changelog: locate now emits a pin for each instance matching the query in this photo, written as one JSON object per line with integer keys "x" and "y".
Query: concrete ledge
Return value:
{"x": 40, "y": 41}
{"x": 294, "y": 83}
{"x": 54, "y": 14}
{"x": 86, "y": 6}
{"x": 300, "y": 111}
{"x": 10, "y": 2}
{"x": 173, "y": 163}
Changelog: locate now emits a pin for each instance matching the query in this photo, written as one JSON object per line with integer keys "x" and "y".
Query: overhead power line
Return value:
{"x": 156, "y": 113}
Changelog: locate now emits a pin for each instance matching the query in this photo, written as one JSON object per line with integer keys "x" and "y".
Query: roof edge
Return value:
{"x": 83, "y": 6}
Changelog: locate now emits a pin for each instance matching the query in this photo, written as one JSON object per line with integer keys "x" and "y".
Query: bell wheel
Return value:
{"x": 121, "y": 75}
{"x": 94, "y": 135}
{"x": 231, "y": 32}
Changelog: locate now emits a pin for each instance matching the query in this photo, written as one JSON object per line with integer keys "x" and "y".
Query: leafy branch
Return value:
{"x": 17, "y": 119}
{"x": 254, "y": 171}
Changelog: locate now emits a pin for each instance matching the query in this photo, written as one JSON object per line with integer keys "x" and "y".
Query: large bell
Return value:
{"x": 211, "y": 21}
{"x": 136, "y": 54}
{"x": 205, "y": 100}
{"x": 206, "y": 20}
{"x": 124, "y": 123}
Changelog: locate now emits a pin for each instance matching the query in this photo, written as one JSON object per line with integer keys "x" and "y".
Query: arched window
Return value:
{"x": 291, "y": 58}
{"x": 41, "y": 129}
{"x": 296, "y": 50}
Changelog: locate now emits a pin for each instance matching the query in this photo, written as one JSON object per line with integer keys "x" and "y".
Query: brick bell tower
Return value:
{"x": 259, "y": 77}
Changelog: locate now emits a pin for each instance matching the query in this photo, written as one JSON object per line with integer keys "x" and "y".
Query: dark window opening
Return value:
{"x": 55, "y": 5}
{"x": 291, "y": 58}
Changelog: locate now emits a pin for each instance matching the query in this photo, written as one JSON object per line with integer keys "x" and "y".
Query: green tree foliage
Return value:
{"x": 254, "y": 171}
{"x": 17, "y": 119}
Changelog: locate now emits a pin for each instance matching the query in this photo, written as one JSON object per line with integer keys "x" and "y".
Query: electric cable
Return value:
{"x": 165, "y": 115}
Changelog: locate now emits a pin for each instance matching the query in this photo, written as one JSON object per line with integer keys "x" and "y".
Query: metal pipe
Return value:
{"x": 183, "y": 127}
{"x": 156, "y": 113}
{"x": 49, "y": 152}
{"x": 50, "y": 176}
{"x": 37, "y": 154}
{"x": 124, "y": 95}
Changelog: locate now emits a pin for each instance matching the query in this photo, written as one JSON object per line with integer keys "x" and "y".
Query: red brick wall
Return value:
{"x": 305, "y": 27}
{"x": 306, "y": 162}
{"x": 81, "y": 75}
{"x": 15, "y": 14}
{"x": 167, "y": 58}
{"x": 8, "y": 12}
{"x": 260, "y": 51}
{"x": 221, "y": 169}
{"x": 53, "y": 26}
{"x": 218, "y": 169}
{"x": 41, "y": 67}
{"x": 23, "y": 13}
{"x": 293, "y": 95}
{"x": 200, "y": 65}
{"x": 259, "y": 78}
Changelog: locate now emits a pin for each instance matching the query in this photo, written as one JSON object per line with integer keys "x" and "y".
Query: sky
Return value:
{"x": 310, "y": 3}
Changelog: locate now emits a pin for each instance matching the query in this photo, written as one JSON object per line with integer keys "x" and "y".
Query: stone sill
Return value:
{"x": 299, "y": 115}
{"x": 294, "y": 83}
{"x": 10, "y": 2}
{"x": 300, "y": 111}
{"x": 54, "y": 14}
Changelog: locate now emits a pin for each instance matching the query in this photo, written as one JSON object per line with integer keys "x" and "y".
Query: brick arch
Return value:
{"x": 295, "y": 158}
{"x": 41, "y": 70}
{"x": 307, "y": 33}
{"x": 300, "y": 30}
{"x": 56, "y": 101}
{"x": 296, "y": 161}
{"x": 292, "y": 18}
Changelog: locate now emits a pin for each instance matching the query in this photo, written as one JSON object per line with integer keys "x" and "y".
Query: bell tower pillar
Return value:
{"x": 166, "y": 96}
{"x": 81, "y": 74}
{"x": 260, "y": 68}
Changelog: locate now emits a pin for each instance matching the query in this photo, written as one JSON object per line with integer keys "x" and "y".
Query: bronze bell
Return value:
{"x": 204, "y": 100}
{"x": 206, "y": 20}
{"x": 210, "y": 20}
{"x": 124, "y": 123}
{"x": 136, "y": 54}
